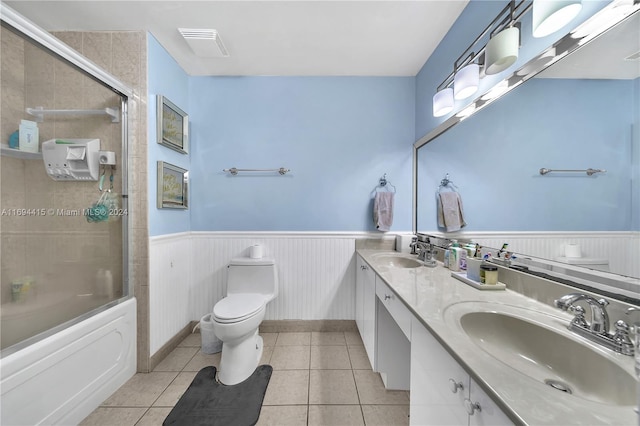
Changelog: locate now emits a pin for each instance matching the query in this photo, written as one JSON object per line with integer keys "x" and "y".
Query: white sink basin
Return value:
{"x": 397, "y": 260}
{"x": 540, "y": 347}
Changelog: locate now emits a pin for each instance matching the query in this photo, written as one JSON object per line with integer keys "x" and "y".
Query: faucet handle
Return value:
{"x": 578, "y": 320}
{"x": 622, "y": 339}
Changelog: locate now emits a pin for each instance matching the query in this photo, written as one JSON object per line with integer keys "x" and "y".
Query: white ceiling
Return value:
{"x": 302, "y": 38}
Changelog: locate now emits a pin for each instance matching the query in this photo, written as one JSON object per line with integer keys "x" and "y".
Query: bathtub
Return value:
{"x": 63, "y": 378}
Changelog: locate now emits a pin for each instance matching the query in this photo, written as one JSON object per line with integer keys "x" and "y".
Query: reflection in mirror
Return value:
{"x": 582, "y": 112}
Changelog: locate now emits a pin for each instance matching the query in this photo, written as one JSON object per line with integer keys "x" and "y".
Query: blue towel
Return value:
{"x": 383, "y": 210}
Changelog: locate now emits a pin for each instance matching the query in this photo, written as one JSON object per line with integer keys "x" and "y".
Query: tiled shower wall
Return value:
{"x": 65, "y": 247}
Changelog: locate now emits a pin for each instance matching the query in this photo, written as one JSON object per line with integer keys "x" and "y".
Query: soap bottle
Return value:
{"x": 100, "y": 289}
{"x": 108, "y": 284}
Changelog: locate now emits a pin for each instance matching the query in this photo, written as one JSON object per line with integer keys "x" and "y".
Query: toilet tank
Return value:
{"x": 247, "y": 275}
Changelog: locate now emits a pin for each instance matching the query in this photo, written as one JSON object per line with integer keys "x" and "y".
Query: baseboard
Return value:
{"x": 285, "y": 326}
{"x": 173, "y": 343}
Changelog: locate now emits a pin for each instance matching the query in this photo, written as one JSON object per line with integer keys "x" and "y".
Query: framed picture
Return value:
{"x": 173, "y": 125}
{"x": 173, "y": 187}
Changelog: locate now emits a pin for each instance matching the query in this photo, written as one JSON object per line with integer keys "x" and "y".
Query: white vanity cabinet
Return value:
{"x": 366, "y": 307}
{"x": 442, "y": 392}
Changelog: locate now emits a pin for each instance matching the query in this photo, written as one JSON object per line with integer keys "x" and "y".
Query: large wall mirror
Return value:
{"x": 581, "y": 112}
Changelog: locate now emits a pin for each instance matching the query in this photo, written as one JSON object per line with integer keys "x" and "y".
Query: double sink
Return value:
{"x": 534, "y": 344}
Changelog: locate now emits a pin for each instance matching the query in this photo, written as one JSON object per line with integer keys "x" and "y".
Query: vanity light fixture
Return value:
{"x": 443, "y": 102}
{"x": 502, "y": 50}
{"x": 466, "y": 81}
{"x": 611, "y": 14}
{"x": 551, "y": 15}
{"x": 498, "y": 45}
{"x": 471, "y": 65}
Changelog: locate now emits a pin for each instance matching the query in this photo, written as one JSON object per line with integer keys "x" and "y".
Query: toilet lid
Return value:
{"x": 237, "y": 307}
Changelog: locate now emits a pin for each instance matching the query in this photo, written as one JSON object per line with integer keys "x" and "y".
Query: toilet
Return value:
{"x": 251, "y": 284}
{"x": 587, "y": 262}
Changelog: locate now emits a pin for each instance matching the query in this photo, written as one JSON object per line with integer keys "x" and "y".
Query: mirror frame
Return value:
{"x": 539, "y": 266}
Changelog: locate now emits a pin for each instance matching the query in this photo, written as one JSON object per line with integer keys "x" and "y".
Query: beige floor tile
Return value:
{"x": 294, "y": 339}
{"x": 172, "y": 394}
{"x": 107, "y": 416}
{"x": 353, "y": 338}
{"x": 359, "y": 358}
{"x": 386, "y": 415}
{"x": 267, "y": 351}
{"x": 154, "y": 416}
{"x": 192, "y": 340}
{"x": 290, "y": 357}
{"x": 287, "y": 387}
{"x": 332, "y": 387}
{"x": 177, "y": 359}
{"x": 331, "y": 415}
{"x": 201, "y": 360}
{"x": 141, "y": 390}
{"x": 371, "y": 390}
{"x": 330, "y": 358}
{"x": 328, "y": 338}
{"x": 283, "y": 415}
{"x": 269, "y": 339}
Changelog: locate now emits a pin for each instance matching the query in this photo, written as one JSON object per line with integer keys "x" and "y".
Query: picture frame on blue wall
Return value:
{"x": 173, "y": 187}
{"x": 172, "y": 125}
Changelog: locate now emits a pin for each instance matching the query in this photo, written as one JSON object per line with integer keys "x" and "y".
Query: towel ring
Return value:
{"x": 383, "y": 184}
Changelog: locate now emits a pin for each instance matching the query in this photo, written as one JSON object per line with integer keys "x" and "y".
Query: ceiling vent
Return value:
{"x": 205, "y": 43}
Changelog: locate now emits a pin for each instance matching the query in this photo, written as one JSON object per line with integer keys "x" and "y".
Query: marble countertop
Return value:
{"x": 436, "y": 298}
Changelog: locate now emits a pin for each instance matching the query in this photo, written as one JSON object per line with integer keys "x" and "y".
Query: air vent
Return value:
{"x": 204, "y": 42}
{"x": 634, "y": 57}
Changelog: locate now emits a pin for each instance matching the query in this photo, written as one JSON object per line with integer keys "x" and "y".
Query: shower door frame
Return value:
{"x": 59, "y": 49}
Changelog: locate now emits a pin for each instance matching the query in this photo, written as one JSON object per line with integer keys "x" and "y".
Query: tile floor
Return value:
{"x": 318, "y": 379}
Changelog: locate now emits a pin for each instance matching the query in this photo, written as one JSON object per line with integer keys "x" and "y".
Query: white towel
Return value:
{"x": 450, "y": 212}
{"x": 383, "y": 210}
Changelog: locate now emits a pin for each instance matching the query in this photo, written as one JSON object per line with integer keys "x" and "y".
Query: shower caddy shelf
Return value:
{"x": 39, "y": 113}
{"x": 6, "y": 151}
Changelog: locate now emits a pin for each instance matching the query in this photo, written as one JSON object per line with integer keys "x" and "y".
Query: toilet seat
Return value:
{"x": 238, "y": 307}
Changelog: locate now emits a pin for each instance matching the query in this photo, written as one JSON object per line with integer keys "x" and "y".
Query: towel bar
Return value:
{"x": 588, "y": 171}
{"x": 234, "y": 171}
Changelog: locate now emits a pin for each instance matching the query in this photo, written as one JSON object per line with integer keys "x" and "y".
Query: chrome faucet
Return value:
{"x": 599, "y": 315}
{"x": 598, "y": 330}
{"x": 426, "y": 251}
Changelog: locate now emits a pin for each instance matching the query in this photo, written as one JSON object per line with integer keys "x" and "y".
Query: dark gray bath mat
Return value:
{"x": 209, "y": 403}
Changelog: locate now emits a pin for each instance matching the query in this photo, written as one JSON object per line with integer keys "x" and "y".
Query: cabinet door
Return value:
{"x": 366, "y": 307}
{"x": 439, "y": 385}
{"x": 369, "y": 314}
{"x": 360, "y": 276}
{"x": 489, "y": 414}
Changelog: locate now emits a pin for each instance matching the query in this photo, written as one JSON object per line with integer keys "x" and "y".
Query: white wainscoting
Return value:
{"x": 316, "y": 274}
{"x": 316, "y": 269}
{"x": 170, "y": 287}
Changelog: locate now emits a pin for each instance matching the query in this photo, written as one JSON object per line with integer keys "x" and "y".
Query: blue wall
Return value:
{"x": 338, "y": 135}
{"x": 494, "y": 158}
{"x": 165, "y": 77}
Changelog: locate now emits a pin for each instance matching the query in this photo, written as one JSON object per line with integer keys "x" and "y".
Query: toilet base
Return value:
{"x": 240, "y": 358}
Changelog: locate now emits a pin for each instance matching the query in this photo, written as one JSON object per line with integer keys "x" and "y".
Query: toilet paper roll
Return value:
{"x": 402, "y": 242}
{"x": 572, "y": 250}
{"x": 255, "y": 251}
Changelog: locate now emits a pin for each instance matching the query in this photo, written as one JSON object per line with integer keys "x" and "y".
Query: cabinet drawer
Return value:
{"x": 396, "y": 308}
